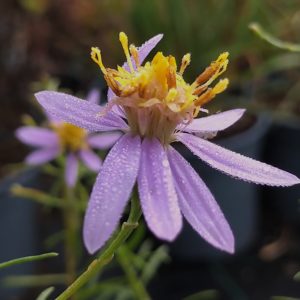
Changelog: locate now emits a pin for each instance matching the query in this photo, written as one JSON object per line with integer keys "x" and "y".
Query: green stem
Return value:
{"x": 26, "y": 259}
{"x": 107, "y": 255}
{"x": 134, "y": 281}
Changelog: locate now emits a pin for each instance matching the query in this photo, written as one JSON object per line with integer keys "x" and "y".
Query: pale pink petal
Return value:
{"x": 79, "y": 112}
{"x": 111, "y": 192}
{"x": 198, "y": 204}
{"x": 91, "y": 160}
{"x": 235, "y": 164}
{"x": 214, "y": 122}
{"x": 36, "y": 136}
{"x": 157, "y": 192}
{"x": 71, "y": 171}
{"x": 93, "y": 96}
{"x": 143, "y": 51}
{"x": 42, "y": 156}
{"x": 104, "y": 140}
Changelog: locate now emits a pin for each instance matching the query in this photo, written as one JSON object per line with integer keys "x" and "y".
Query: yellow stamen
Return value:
{"x": 135, "y": 54}
{"x": 186, "y": 60}
{"x": 212, "y": 92}
{"x": 124, "y": 42}
{"x": 220, "y": 66}
{"x": 96, "y": 57}
{"x": 171, "y": 95}
{"x": 215, "y": 69}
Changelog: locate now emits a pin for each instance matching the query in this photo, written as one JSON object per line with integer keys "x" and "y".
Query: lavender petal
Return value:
{"x": 71, "y": 171}
{"x": 111, "y": 192}
{"x": 104, "y": 140}
{"x": 235, "y": 164}
{"x": 157, "y": 193}
{"x": 79, "y": 112}
{"x": 198, "y": 204}
{"x": 93, "y": 96}
{"x": 41, "y": 156}
{"x": 91, "y": 160}
{"x": 36, "y": 136}
{"x": 214, "y": 122}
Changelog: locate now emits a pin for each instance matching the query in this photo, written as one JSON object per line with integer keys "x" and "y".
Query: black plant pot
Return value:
{"x": 238, "y": 200}
{"x": 283, "y": 149}
{"x": 18, "y": 230}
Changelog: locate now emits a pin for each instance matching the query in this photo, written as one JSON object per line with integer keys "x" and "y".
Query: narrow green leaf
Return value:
{"x": 257, "y": 28}
{"x": 26, "y": 259}
{"x": 45, "y": 294}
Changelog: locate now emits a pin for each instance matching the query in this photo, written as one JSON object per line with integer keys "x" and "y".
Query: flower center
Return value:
{"x": 72, "y": 138}
{"x": 155, "y": 97}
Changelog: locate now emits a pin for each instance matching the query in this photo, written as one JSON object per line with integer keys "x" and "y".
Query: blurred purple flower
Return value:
{"x": 154, "y": 106}
{"x": 61, "y": 137}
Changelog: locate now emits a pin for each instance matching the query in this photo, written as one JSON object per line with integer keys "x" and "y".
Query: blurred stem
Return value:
{"x": 123, "y": 256}
{"x": 107, "y": 255}
{"x": 257, "y": 28}
{"x": 70, "y": 218}
{"x": 35, "y": 195}
{"x": 33, "y": 280}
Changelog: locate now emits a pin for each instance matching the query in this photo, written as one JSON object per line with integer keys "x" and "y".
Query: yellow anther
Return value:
{"x": 96, "y": 57}
{"x": 172, "y": 94}
{"x": 135, "y": 54}
{"x": 171, "y": 76}
{"x": 220, "y": 86}
{"x": 196, "y": 111}
{"x": 186, "y": 60}
{"x": 124, "y": 42}
{"x": 223, "y": 57}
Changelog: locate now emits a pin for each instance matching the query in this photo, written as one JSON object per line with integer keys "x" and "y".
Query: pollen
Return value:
{"x": 71, "y": 137}
{"x": 155, "y": 96}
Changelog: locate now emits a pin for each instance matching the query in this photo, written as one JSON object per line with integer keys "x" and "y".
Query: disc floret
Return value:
{"x": 155, "y": 96}
{"x": 71, "y": 137}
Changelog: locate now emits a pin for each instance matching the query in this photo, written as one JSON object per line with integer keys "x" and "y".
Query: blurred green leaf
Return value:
{"x": 111, "y": 286}
{"x": 35, "y": 6}
{"x": 283, "y": 298}
{"x": 158, "y": 257}
{"x": 45, "y": 294}
{"x": 26, "y": 259}
{"x": 204, "y": 295}
{"x": 257, "y": 28}
{"x": 34, "y": 280}
{"x": 297, "y": 276}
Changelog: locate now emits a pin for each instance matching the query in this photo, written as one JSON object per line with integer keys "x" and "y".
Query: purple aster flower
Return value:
{"x": 154, "y": 106}
{"x": 63, "y": 137}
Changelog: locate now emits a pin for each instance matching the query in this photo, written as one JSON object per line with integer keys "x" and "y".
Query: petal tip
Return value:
{"x": 41, "y": 97}
{"x": 293, "y": 181}
{"x": 229, "y": 246}
{"x": 91, "y": 249}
